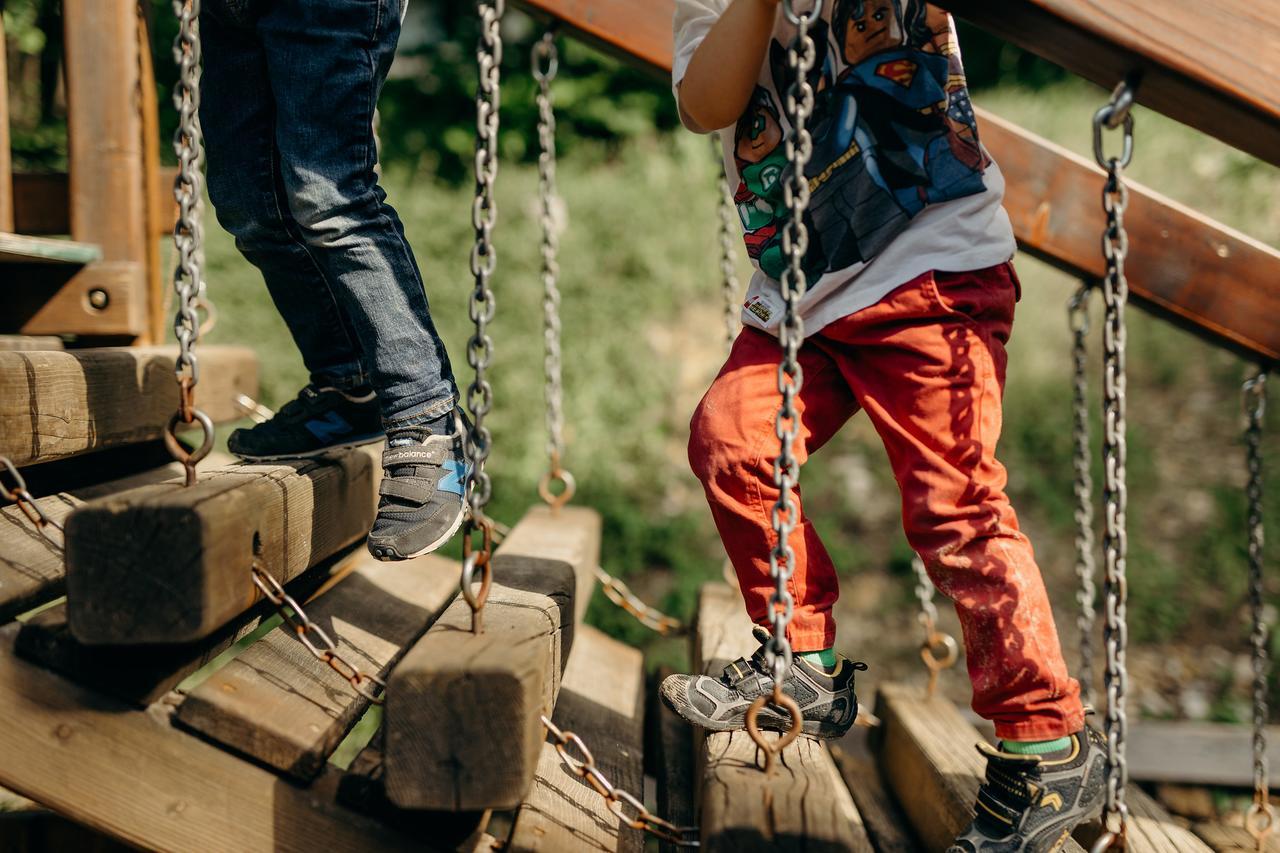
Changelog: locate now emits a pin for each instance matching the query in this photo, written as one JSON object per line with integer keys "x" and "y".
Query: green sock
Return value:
{"x": 826, "y": 659}
{"x": 1035, "y": 747}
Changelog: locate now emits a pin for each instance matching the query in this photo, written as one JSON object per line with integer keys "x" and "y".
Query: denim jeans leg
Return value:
{"x": 238, "y": 115}
{"x": 327, "y": 61}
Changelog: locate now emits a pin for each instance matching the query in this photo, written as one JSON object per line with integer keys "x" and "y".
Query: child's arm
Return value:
{"x": 722, "y": 75}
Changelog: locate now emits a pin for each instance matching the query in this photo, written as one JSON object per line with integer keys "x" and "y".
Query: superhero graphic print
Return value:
{"x": 893, "y": 132}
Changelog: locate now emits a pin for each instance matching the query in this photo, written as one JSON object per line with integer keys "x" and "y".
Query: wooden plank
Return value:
{"x": 18, "y": 249}
{"x": 1197, "y": 753}
{"x": 805, "y": 805}
{"x": 462, "y": 709}
{"x": 40, "y": 202}
{"x": 154, "y": 208}
{"x": 888, "y": 827}
{"x": 278, "y": 704}
{"x": 928, "y": 759}
{"x": 59, "y": 404}
{"x": 669, "y": 758}
{"x": 1183, "y": 266}
{"x": 29, "y": 343}
{"x": 1222, "y": 838}
{"x": 141, "y": 676}
{"x": 169, "y": 564}
{"x": 103, "y": 299}
{"x": 602, "y": 701}
{"x": 130, "y": 774}
{"x": 1212, "y": 66}
{"x": 6, "y": 155}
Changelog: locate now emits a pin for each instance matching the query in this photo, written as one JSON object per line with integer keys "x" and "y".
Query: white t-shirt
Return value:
{"x": 900, "y": 183}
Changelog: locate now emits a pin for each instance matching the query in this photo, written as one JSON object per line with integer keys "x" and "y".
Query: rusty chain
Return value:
{"x": 322, "y": 647}
{"x": 1086, "y": 567}
{"x": 1260, "y": 819}
{"x": 729, "y": 230}
{"x": 16, "y": 491}
{"x": 652, "y": 618}
{"x": 1115, "y": 291}
{"x": 618, "y": 798}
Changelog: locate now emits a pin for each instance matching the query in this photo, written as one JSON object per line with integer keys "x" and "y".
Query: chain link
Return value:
{"x": 16, "y": 491}
{"x": 618, "y": 798}
{"x": 1086, "y": 566}
{"x": 801, "y": 56}
{"x": 484, "y": 259}
{"x": 1115, "y": 291}
{"x": 729, "y": 239}
{"x": 322, "y": 647}
{"x": 652, "y": 618}
{"x": 1261, "y": 817}
{"x": 938, "y": 650}
{"x": 188, "y": 237}
{"x": 545, "y": 60}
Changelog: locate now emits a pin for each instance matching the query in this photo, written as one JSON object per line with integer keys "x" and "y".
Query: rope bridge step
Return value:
{"x": 59, "y": 404}
{"x": 926, "y": 753}
{"x": 462, "y": 717}
{"x": 805, "y": 805}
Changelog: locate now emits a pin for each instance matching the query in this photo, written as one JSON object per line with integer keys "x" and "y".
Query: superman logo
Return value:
{"x": 900, "y": 71}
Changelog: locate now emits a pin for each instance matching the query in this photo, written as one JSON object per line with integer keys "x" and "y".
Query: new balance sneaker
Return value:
{"x": 316, "y": 421}
{"x": 423, "y": 481}
{"x": 1032, "y": 803}
{"x": 827, "y": 701}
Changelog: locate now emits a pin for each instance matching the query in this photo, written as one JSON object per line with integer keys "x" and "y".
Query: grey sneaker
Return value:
{"x": 827, "y": 701}
{"x": 423, "y": 481}
{"x": 1032, "y": 803}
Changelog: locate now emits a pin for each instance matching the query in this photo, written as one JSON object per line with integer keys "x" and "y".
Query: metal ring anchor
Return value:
{"x": 472, "y": 561}
{"x": 1115, "y": 114}
{"x": 568, "y": 483}
{"x": 772, "y": 749}
{"x": 938, "y": 641}
{"x": 189, "y": 458}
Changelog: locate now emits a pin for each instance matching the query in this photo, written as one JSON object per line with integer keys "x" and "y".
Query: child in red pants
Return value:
{"x": 909, "y": 305}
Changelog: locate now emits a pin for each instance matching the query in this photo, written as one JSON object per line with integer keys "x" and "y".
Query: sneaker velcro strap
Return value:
{"x": 744, "y": 678}
{"x": 997, "y": 809}
{"x": 415, "y": 454}
{"x": 414, "y": 490}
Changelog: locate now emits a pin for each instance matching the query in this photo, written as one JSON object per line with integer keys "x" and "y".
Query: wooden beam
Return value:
{"x": 59, "y": 404}
{"x": 130, "y": 774}
{"x": 20, "y": 249}
{"x": 1183, "y": 266}
{"x": 6, "y": 156}
{"x": 40, "y": 202}
{"x": 462, "y": 709}
{"x": 169, "y": 564}
{"x": 928, "y": 758}
{"x": 602, "y": 701}
{"x": 154, "y": 207}
{"x": 275, "y": 702}
{"x": 889, "y": 829}
{"x": 805, "y": 805}
{"x": 1196, "y": 753}
{"x": 101, "y": 300}
{"x": 669, "y": 758}
{"x": 1222, "y": 838}
{"x": 1213, "y": 67}
{"x": 29, "y": 343}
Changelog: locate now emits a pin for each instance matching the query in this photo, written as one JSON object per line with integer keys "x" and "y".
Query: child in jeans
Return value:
{"x": 909, "y": 306}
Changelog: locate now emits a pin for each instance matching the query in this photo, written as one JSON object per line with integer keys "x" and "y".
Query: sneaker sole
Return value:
{"x": 388, "y": 554}
{"x": 311, "y": 454}
{"x": 812, "y": 728}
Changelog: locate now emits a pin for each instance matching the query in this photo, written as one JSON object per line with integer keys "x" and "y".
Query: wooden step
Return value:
{"x": 59, "y": 404}
{"x": 669, "y": 758}
{"x": 20, "y": 249}
{"x": 805, "y": 805}
{"x": 927, "y": 754}
{"x": 279, "y": 704}
{"x": 131, "y": 774}
{"x": 889, "y": 829}
{"x": 602, "y": 701}
{"x": 30, "y": 343}
{"x": 170, "y": 564}
{"x": 462, "y": 709}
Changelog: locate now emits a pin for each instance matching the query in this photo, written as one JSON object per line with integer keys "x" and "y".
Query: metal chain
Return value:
{"x": 801, "y": 56}
{"x": 188, "y": 237}
{"x": 484, "y": 212}
{"x": 939, "y": 650}
{"x": 1086, "y": 567}
{"x": 1260, "y": 820}
{"x": 1115, "y": 291}
{"x": 729, "y": 239}
{"x": 322, "y": 647}
{"x": 618, "y": 798}
{"x": 545, "y": 60}
{"x": 16, "y": 491}
{"x": 652, "y": 618}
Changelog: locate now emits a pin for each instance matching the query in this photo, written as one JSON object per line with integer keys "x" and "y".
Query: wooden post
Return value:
{"x": 154, "y": 204}
{"x": 804, "y": 806}
{"x": 6, "y": 163}
{"x": 462, "y": 709}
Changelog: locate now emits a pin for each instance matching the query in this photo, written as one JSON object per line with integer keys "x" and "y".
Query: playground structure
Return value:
{"x": 162, "y": 578}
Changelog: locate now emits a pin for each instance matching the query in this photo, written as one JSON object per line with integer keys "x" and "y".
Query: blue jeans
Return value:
{"x": 287, "y": 102}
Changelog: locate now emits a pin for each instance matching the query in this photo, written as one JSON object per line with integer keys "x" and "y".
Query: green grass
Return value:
{"x": 642, "y": 339}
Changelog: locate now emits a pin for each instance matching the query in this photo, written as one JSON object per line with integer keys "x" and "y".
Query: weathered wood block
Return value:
{"x": 29, "y": 343}
{"x": 889, "y": 829}
{"x": 277, "y": 703}
{"x": 169, "y": 564}
{"x": 602, "y": 701}
{"x": 57, "y": 404}
{"x": 669, "y": 755}
{"x": 804, "y": 806}
{"x": 462, "y": 709}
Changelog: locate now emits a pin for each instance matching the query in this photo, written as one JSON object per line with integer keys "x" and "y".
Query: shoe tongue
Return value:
{"x": 407, "y": 437}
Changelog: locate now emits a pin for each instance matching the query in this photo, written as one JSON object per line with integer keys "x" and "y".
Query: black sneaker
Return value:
{"x": 423, "y": 481}
{"x": 316, "y": 421}
{"x": 1032, "y": 803}
{"x": 827, "y": 702}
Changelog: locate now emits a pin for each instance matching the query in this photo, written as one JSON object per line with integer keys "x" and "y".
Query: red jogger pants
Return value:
{"x": 927, "y": 365}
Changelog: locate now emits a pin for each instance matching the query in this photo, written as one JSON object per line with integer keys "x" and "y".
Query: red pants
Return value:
{"x": 927, "y": 365}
